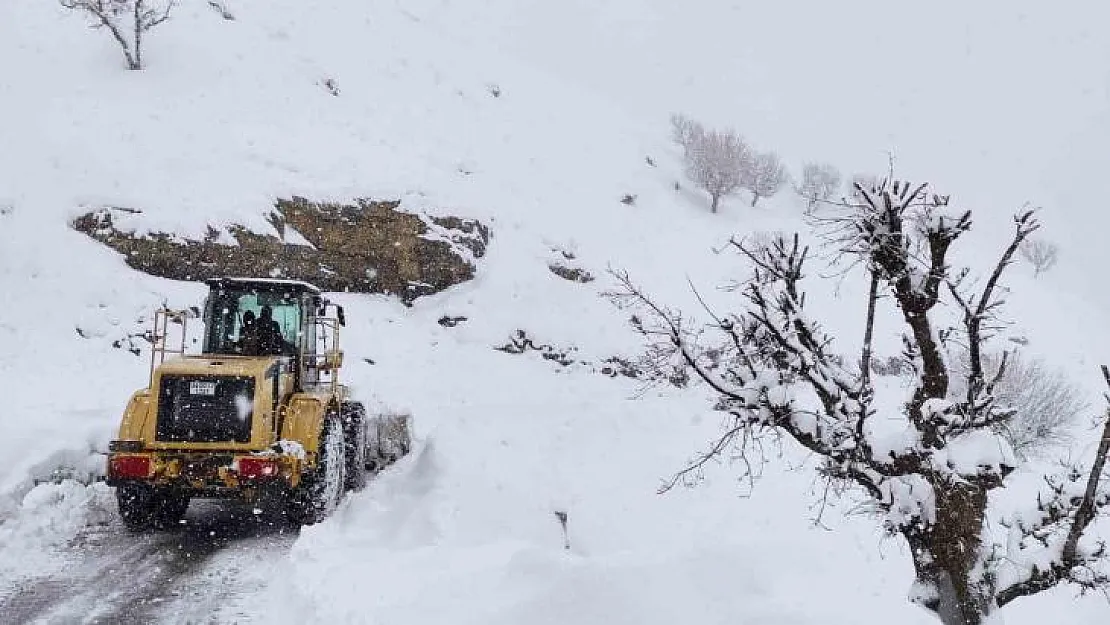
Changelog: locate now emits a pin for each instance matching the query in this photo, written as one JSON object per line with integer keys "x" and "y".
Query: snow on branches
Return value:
{"x": 715, "y": 160}
{"x": 775, "y": 372}
{"x": 764, "y": 175}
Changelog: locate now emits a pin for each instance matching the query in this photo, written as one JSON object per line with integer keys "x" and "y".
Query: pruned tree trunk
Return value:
{"x": 716, "y": 199}
{"x": 945, "y": 554}
{"x": 934, "y": 371}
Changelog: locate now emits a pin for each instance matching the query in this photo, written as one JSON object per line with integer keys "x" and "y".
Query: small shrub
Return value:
{"x": 331, "y": 85}
{"x": 220, "y": 8}
{"x": 1040, "y": 253}
{"x": 127, "y": 21}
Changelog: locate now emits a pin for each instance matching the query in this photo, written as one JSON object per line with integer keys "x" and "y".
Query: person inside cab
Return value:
{"x": 248, "y": 335}
{"x": 270, "y": 339}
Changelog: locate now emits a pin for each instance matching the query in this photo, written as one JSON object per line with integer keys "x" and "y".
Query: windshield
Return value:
{"x": 253, "y": 322}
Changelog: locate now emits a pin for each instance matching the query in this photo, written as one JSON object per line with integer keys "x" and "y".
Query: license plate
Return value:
{"x": 202, "y": 388}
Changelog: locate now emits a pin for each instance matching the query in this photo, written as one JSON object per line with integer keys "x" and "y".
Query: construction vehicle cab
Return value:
{"x": 259, "y": 414}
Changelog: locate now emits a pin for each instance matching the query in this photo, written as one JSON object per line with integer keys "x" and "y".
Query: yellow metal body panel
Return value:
{"x": 136, "y": 416}
{"x": 253, "y": 366}
{"x": 304, "y": 419}
{"x": 299, "y": 414}
{"x": 263, "y": 428}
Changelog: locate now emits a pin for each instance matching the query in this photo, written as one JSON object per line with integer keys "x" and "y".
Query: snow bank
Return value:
{"x": 38, "y": 540}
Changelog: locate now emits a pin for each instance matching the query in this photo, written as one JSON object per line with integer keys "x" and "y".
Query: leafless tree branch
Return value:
{"x": 133, "y": 17}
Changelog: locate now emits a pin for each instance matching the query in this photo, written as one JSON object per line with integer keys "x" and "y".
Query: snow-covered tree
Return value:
{"x": 979, "y": 537}
{"x": 684, "y": 130}
{"x": 1046, "y": 404}
{"x": 819, "y": 182}
{"x": 127, "y": 21}
{"x": 714, "y": 160}
{"x": 1040, "y": 253}
{"x": 763, "y": 175}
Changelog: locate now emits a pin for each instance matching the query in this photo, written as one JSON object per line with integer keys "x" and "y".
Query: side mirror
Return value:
{"x": 342, "y": 317}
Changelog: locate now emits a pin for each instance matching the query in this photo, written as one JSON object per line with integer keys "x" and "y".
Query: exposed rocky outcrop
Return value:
{"x": 521, "y": 342}
{"x": 565, "y": 269}
{"x": 574, "y": 274}
{"x": 365, "y": 247}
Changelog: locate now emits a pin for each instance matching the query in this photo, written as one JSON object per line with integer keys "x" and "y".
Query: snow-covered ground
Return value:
{"x": 535, "y": 117}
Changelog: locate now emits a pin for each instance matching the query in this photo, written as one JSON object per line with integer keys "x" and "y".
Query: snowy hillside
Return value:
{"x": 535, "y": 118}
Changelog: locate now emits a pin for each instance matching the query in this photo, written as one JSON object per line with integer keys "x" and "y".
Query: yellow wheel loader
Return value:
{"x": 258, "y": 415}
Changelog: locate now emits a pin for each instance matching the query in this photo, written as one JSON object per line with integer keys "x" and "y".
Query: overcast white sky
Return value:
{"x": 999, "y": 102}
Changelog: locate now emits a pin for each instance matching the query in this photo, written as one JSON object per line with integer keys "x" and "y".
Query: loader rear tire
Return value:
{"x": 321, "y": 490}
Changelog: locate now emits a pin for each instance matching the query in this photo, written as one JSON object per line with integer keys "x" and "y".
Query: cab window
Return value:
{"x": 237, "y": 318}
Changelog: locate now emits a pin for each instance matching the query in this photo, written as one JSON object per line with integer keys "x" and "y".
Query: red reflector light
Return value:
{"x": 257, "y": 467}
{"x": 129, "y": 466}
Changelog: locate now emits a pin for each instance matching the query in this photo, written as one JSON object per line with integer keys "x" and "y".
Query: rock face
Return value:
{"x": 367, "y": 247}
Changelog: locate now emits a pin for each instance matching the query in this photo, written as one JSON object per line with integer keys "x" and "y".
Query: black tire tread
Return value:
{"x": 353, "y": 414}
{"x": 304, "y": 505}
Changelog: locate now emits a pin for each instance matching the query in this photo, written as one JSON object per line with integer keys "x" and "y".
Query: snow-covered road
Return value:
{"x": 200, "y": 573}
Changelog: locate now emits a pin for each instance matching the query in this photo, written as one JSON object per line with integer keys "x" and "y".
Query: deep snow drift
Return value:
{"x": 455, "y": 108}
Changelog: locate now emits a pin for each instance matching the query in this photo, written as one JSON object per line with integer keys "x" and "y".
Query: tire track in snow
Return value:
{"x": 183, "y": 575}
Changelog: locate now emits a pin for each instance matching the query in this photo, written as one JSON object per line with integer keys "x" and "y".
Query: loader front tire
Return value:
{"x": 356, "y": 427}
{"x": 322, "y": 488}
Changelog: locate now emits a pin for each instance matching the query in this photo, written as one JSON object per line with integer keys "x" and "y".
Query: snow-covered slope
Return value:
{"x": 522, "y": 115}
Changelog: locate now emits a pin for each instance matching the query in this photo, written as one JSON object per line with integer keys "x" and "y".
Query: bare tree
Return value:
{"x": 775, "y": 372}
{"x": 764, "y": 175}
{"x": 713, "y": 159}
{"x": 819, "y": 182}
{"x": 1045, "y": 404}
{"x": 684, "y": 130}
{"x": 126, "y": 20}
{"x": 1040, "y": 253}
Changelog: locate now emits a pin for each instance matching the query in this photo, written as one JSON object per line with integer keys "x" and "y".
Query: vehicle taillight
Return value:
{"x": 129, "y": 466}
{"x": 257, "y": 467}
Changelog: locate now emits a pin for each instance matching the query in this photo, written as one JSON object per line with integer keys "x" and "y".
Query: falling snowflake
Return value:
{"x": 243, "y": 406}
